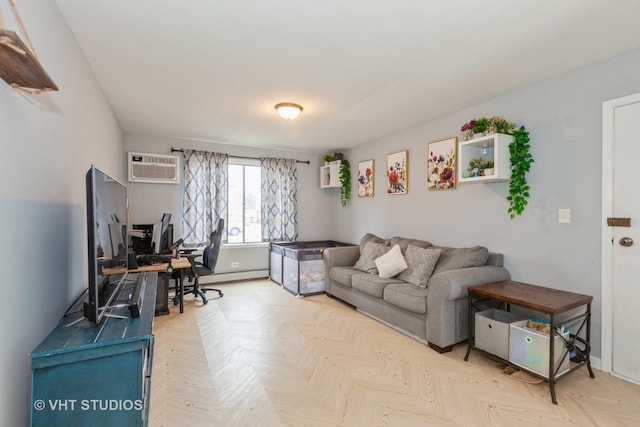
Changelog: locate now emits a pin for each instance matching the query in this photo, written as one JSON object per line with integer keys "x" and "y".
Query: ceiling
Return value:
{"x": 363, "y": 69}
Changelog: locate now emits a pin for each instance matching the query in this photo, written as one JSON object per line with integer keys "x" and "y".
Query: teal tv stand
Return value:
{"x": 99, "y": 375}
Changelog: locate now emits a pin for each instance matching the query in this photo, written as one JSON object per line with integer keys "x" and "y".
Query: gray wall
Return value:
{"x": 564, "y": 117}
{"x": 48, "y": 143}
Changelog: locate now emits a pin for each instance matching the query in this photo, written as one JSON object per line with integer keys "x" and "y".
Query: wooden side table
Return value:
{"x": 552, "y": 302}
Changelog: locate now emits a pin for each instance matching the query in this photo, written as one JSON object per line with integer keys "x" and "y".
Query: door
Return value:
{"x": 621, "y": 241}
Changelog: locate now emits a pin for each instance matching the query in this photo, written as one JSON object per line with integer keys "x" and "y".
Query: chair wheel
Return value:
{"x": 205, "y": 302}
{"x": 175, "y": 302}
{"x": 221, "y": 294}
{"x": 204, "y": 291}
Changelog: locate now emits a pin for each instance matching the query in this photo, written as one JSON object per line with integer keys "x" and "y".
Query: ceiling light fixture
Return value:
{"x": 288, "y": 110}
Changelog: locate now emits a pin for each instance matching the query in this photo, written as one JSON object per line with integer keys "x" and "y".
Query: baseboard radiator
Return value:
{"x": 239, "y": 275}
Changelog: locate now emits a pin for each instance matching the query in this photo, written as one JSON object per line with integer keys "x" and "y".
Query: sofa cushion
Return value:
{"x": 371, "y": 238}
{"x": 368, "y": 256}
{"x": 404, "y": 243}
{"x": 407, "y": 297}
{"x": 371, "y": 284}
{"x": 455, "y": 258}
{"x": 420, "y": 264}
{"x": 391, "y": 264}
{"x": 343, "y": 275}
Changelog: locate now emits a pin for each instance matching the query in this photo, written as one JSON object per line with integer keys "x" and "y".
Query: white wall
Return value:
{"x": 48, "y": 142}
{"x": 563, "y": 116}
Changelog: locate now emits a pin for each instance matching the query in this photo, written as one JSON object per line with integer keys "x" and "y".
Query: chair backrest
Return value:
{"x": 211, "y": 252}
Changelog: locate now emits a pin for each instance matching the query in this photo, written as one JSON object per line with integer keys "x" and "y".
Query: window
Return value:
{"x": 244, "y": 224}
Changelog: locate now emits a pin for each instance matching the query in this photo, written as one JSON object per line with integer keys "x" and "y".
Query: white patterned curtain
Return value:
{"x": 205, "y": 195}
{"x": 279, "y": 197}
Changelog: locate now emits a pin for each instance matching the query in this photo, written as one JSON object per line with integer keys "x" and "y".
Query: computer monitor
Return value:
{"x": 117, "y": 236}
{"x": 160, "y": 236}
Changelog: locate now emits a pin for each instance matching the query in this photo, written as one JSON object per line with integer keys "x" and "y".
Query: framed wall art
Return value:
{"x": 441, "y": 164}
{"x": 398, "y": 172}
{"x": 365, "y": 178}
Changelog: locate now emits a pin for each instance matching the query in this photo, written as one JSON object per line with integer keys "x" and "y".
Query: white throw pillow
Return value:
{"x": 391, "y": 264}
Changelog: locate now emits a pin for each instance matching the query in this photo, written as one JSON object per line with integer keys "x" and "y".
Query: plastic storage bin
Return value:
{"x": 492, "y": 331}
{"x": 529, "y": 349}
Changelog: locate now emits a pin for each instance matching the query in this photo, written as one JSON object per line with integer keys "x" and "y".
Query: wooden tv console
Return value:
{"x": 97, "y": 375}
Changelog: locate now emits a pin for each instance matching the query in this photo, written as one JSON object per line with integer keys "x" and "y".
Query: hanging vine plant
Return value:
{"x": 345, "y": 182}
{"x": 521, "y": 160}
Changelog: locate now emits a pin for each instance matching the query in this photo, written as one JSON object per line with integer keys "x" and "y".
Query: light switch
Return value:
{"x": 564, "y": 216}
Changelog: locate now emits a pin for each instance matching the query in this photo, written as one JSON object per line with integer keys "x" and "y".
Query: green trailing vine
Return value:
{"x": 345, "y": 182}
{"x": 521, "y": 160}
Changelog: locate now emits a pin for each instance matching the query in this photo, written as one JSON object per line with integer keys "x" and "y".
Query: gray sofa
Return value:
{"x": 437, "y": 312}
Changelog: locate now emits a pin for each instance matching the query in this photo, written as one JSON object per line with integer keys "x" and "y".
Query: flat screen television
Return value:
{"x": 107, "y": 240}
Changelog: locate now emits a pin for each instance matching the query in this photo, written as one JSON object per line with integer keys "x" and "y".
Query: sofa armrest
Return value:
{"x": 338, "y": 256}
{"x": 342, "y": 256}
{"x": 447, "y": 305}
{"x": 453, "y": 284}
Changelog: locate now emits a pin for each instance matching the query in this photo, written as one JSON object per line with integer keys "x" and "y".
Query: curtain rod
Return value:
{"x": 181, "y": 150}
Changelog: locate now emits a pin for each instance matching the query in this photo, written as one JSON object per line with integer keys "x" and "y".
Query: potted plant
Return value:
{"x": 330, "y": 158}
{"x": 467, "y": 130}
{"x": 488, "y": 168}
{"x": 498, "y": 124}
{"x": 480, "y": 126}
{"x": 338, "y": 157}
{"x": 476, "y": 165}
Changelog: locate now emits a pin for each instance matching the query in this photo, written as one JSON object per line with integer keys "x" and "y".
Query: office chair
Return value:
{"x": 204, "y": 268}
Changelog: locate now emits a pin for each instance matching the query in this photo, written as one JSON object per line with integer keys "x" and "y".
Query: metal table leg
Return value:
{"x": 471, "y": 330}
{"x": 552, "y": 374}
{"x": 588, "y": 334}
{"x": 182, "y": 290}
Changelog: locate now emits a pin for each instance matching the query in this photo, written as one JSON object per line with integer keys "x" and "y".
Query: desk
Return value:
{"x": 552, "y": 302}
{"x": 180, "y": 263}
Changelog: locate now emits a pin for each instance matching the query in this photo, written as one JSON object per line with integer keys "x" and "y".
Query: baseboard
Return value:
{"x": 596, "y": 363}
{"x": 376, "y": 318}
{"x": 229, "y": 277}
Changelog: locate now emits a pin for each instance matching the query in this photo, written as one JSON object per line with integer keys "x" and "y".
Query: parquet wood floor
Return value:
{"x": 261, "y": 357}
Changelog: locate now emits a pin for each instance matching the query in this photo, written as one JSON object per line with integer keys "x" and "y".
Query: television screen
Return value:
{"x": 107, "y": 239}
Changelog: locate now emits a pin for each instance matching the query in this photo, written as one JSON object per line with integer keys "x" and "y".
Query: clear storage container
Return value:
{"x": 529, "y": 349}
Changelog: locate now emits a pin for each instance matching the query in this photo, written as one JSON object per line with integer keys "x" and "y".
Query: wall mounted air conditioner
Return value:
{"x": 153, "y": 168}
